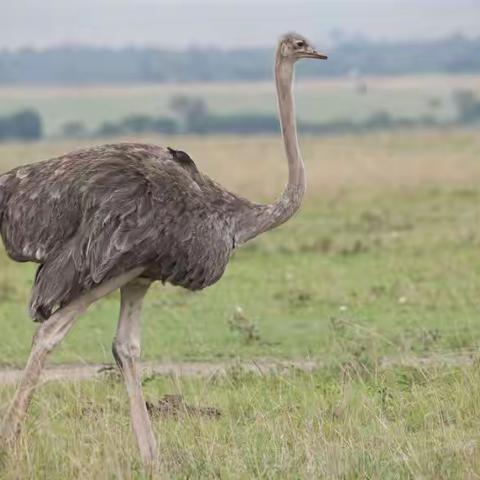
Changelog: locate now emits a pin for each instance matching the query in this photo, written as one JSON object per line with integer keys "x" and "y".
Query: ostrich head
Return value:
{"x": 293, "y": 47}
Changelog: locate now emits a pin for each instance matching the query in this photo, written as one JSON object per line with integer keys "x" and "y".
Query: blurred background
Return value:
{"x": 105, "y": 68}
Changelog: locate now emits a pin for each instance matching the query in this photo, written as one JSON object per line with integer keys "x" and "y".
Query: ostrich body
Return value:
{"x": 123, "y": 216}
{"x": 99, "y": 212}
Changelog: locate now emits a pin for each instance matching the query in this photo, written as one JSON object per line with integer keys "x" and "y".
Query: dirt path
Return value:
{"x": 179, "y": 369}
{"x": 74, "y": 372}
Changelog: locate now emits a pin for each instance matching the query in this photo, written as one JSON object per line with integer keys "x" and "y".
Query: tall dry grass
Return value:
{"x": 256, "y": 167}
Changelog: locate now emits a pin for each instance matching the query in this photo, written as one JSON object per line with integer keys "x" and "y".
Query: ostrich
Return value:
{"x": 122, "y": 216}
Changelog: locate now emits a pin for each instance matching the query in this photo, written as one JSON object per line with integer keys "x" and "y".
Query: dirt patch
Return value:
{"x": 176, "y": 369}
{"x": 74, "y": 372}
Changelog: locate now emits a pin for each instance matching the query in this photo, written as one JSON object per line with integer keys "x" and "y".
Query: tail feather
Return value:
{"x": 57, "y": 283}
{"x": 58, "y": 280}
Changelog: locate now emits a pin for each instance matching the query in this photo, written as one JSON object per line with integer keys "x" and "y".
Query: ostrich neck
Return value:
{"x": 284, "y": 72}
{"x": 261, "y": 218}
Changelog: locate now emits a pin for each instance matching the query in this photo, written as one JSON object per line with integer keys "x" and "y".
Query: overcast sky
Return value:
{"x": 226, "y": 23}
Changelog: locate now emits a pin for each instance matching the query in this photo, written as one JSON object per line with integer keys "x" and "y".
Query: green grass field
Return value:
{"x": 318, "y": 100}
{"x": 381, "y": 264}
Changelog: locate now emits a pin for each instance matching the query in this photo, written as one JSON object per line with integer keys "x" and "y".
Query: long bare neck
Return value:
{"x": 260, "y": 218}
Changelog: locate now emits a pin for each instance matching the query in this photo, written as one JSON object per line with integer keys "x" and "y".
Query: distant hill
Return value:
{"x": 82, "y": 66}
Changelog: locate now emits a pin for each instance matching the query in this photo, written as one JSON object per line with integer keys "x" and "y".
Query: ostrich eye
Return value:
{"x": 300, "y": 43}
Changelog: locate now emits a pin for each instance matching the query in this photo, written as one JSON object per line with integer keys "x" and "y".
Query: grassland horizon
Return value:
{"x": 318, "y": 101}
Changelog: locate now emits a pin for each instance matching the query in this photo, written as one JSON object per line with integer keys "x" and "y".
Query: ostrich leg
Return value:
{"x": 126, "y": 350}
{"x": 48, "y": 336}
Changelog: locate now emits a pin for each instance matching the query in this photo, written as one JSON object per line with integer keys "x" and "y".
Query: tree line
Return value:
{"x": 191, "y": 116}
{"x": 82, "y": 65}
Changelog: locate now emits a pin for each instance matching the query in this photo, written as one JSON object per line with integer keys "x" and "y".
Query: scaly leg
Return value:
{"x": 126, "y": 350}
{"x": 48, "y": 336}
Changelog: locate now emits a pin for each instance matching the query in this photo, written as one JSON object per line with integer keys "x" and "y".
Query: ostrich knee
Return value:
{"x": 126, "y": 352}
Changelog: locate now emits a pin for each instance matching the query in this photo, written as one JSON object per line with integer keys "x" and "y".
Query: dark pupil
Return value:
{"x": 300, "y": 44}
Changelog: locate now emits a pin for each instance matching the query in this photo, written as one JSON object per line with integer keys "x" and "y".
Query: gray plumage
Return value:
{"x": 98, "y": 212}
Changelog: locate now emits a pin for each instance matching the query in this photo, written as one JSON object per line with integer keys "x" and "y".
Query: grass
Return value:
{"x": 381, "y": 262}
{"x": 321, "y": 100}
{"x": 357, "y": 423}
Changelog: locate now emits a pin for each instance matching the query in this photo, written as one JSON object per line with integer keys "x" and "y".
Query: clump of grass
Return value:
{"x": 242, "y": 325}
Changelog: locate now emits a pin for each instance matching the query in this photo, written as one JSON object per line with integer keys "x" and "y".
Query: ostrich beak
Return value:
{"x": 317, "y": 55}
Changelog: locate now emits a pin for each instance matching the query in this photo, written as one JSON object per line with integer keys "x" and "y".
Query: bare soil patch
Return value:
{"x": 76, "y": 372}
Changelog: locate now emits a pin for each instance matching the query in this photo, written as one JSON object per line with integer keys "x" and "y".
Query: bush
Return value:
{"x": 467, "y": 105}
{"x": 23, "y": 125}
